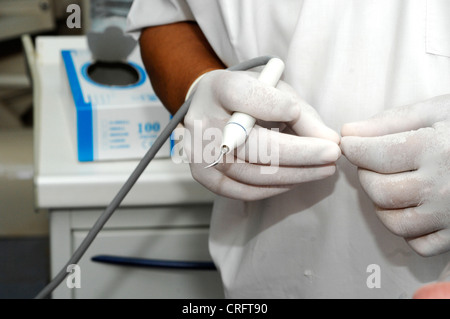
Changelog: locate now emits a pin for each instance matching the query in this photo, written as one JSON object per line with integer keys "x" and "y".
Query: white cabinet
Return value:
{"x": 173, "y": 236}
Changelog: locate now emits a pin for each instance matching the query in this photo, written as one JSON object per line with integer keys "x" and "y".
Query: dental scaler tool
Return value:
{"x": 240, "y": 124}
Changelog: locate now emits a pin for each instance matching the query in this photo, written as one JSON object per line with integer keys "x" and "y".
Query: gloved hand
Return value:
{"x": 243, "y": 175}
{"x": 403, "y": 156}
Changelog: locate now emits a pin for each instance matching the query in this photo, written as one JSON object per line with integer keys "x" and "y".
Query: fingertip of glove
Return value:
{"x": 334, "y": 137}
{"x": 347, "y": 146}
{"x": 331, "y": 154}
{"x": 330, "y": 135}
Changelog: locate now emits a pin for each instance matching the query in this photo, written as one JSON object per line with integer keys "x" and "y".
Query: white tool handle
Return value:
{"x": 240, "y": 124}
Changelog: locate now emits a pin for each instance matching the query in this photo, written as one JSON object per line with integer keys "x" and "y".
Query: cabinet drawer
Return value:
{"x": 184, "y": 244}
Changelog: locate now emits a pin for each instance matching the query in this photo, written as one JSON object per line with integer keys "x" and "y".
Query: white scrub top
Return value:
{"x": 349, "y": 59}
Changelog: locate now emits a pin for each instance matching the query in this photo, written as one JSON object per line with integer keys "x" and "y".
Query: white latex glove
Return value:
{"x": 403, "y": 156}
{"x": 304, "y": 158}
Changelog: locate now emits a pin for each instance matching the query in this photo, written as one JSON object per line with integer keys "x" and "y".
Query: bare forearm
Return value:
{"x": 174, "y": 56}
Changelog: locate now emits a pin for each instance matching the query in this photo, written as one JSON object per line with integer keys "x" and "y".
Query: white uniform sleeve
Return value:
{"x": 145, "y": 13}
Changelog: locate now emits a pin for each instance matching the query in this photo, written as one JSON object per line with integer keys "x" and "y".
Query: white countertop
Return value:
{"x": 63, "y": 182}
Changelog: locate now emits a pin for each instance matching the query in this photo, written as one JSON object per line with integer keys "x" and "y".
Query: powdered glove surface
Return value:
{"x": 403, "y": 156}
{"x": 270, "y": 162}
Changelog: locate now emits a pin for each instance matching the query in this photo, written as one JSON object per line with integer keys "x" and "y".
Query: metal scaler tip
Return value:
{"x": 223, "y": 151}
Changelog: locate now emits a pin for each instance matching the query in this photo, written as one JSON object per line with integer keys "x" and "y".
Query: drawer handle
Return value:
{"x": 154, "y": 263}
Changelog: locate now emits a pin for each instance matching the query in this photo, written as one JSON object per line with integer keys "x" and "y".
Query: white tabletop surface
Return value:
{"x": 63, "y": 182}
